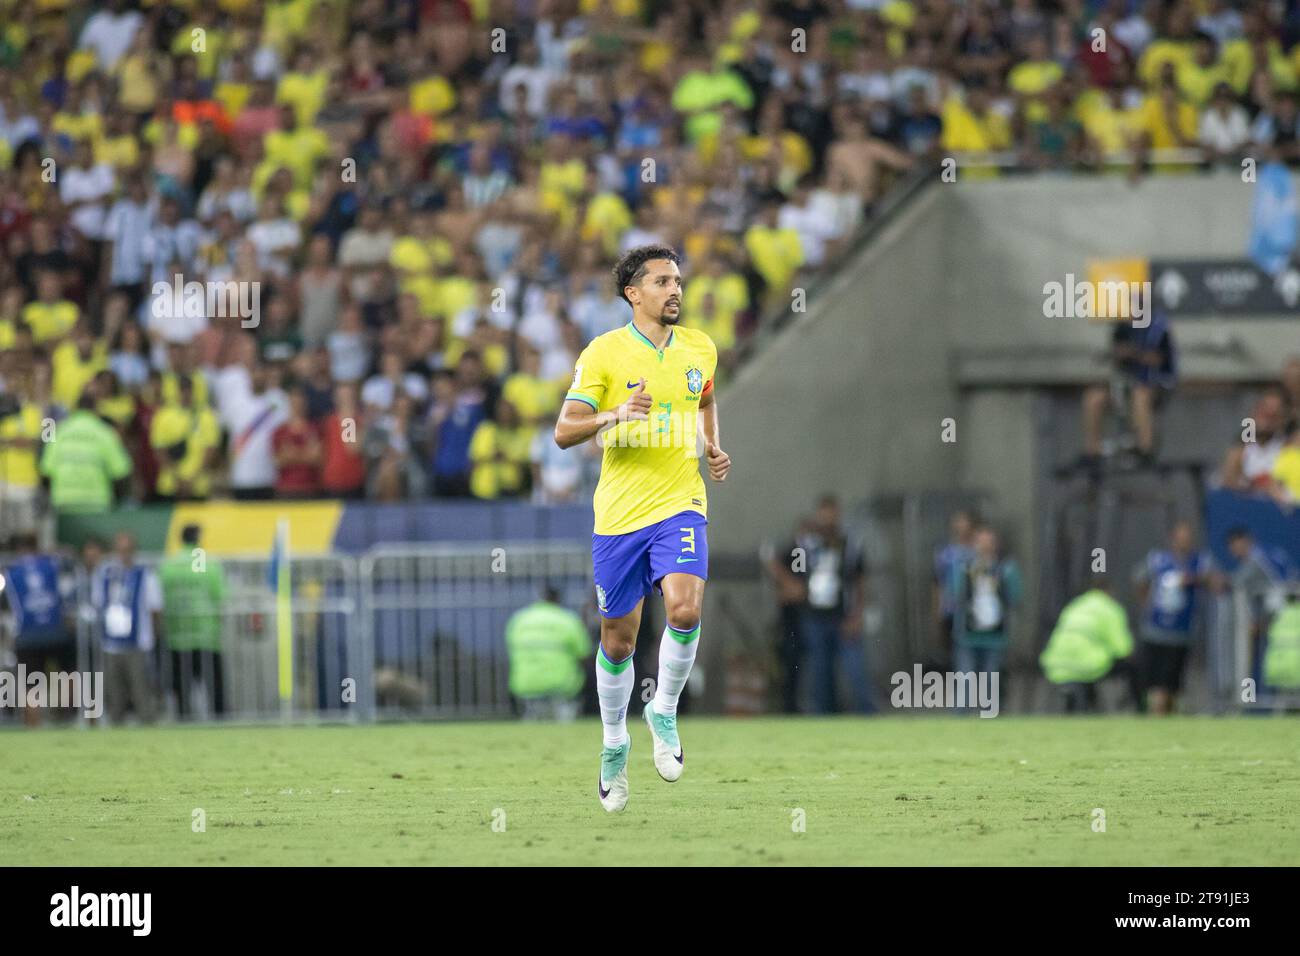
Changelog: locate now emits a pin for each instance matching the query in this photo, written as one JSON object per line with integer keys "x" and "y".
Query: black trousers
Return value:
{"x": 789, "y": 652}
{"x": 189, "y": 666}
{"x": 1080, "y": 698}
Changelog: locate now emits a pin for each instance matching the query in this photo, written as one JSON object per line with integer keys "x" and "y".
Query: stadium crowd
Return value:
{"x": 417, "y": 201}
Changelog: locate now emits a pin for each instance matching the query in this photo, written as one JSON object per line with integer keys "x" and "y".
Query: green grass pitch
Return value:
{"x": 922, "y": 790}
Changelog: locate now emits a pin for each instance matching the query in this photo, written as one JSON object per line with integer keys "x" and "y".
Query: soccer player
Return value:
{"x": 645, "y": 391}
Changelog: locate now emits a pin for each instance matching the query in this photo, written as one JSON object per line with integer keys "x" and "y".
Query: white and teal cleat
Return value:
{"x": 668, "y": 748}
{"x": 612, "y": 785}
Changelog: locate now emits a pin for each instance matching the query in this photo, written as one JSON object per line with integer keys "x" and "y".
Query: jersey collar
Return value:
{"x": 638, "y": 333}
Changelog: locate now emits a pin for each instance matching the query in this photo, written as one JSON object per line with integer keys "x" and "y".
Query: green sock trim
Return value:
{"x": 684, "y": 638}
{"x": 609, "y": 665}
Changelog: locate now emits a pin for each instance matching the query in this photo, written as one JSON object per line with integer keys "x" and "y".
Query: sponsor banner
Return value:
{"x": 1270, "y": 525}
{"x": 324, "y": 526}
{"x": 1201, "y": 288}
{"x": 227, "y": 527}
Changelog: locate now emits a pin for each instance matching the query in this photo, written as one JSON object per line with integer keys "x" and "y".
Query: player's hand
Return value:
{"x": 636, "y": 408}
{"x": 719, "y": 462}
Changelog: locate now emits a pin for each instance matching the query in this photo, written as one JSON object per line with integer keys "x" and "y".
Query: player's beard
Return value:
{"x": 670, "y": 318}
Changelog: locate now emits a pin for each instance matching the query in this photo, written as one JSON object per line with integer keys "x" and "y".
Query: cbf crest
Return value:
{"x": 600, "y": 598}
{"x": 694, "y": 381}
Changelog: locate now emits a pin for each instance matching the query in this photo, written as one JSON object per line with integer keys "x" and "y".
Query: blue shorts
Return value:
{"x": 629, "y": 567}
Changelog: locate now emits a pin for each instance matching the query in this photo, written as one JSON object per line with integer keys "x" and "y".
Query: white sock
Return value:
{"x": 676, "y": 656}
{"x": 614, "y": 682}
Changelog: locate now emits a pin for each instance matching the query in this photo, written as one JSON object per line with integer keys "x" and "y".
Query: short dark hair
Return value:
{"x": 630, "y": 268}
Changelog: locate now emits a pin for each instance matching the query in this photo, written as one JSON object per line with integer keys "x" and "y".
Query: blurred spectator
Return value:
{"x": 129, "y": 356}
{"x": 1090, "y": 637}
{"x": 833, "y": 573}
{"x": 194, "y": 591}
{"x": 143, "y": 456}
{"x": 983, "y": 591}
{"x": 186, "y": 437}
{"x": 948, "y": 561}
{"x": 348, "y": 347}
{"x": 1286, "y": 473}
{"x": 84, "y": 188}
{"x": 76, "y": 362}
{"x": 394, "y": 445}
{"x": 454, "y": 423}
{"x": 1277, "y": 126}
{"x": 776, "y": 252}
{"x": 128, "y": 601}
{"x": 549, "y": 647}
{"x": 297, "y": 447}
{"x": 252, "y": 411}
{"x": 713, "y": 301}
{"x": 1143, "y": 372}
{"x": 343, "y": 465}
{"x": 1225, "y": 128}
{"x": 83, "y": 461}
{"x": 792, "y": 602}
{"x": 1281, "y": 668}
{"x": 320, "y": 287}
{"x": 125, "y": 234}
{"x": 34, "y": 589}
{"x": 21, "y": 424}
{"x": 1261, "y": 575}
{"x": 1170, "y": 583}
{"x": 1248, "y": 465}
{"x": 500, "y": 451}
{"x": 558, "y": 474}
{"x": 380, "y": 390}
{"x": 532, "y": 396}
{"x": 51, "y": 316}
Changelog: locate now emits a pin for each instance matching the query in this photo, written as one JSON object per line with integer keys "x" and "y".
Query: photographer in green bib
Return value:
{"x": 194, "y": 591}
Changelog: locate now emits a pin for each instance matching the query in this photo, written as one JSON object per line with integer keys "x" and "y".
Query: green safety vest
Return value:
{"x": 548, "y": 645}
{"x": 1091, "y": 634}
{"x": 192, "y": 602}
{"x": 83, "y": 459}
{"x": 1282, "y": 656}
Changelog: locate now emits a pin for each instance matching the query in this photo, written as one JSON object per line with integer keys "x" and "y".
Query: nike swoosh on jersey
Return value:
{"x": 631, "y": 384}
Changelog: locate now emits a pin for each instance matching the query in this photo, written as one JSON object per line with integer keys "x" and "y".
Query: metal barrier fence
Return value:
{"x": 413, "y": 631}
{"x": 1252, "y": 616}
{"x": 435, "y": 619}
{"x": 226, "y": 665}
{"x": 419, "y": 631}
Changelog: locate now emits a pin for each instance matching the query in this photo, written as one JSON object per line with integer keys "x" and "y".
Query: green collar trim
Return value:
{"x": 640, "y": 335}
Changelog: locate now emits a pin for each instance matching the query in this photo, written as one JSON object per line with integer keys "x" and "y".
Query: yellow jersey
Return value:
{"x": 650, "y": 469}
{"x": 18, "y": 465}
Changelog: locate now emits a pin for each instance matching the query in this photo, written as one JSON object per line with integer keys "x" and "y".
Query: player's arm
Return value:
{"x": 719, "y": 461}
{"x": 579, "y": 420}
